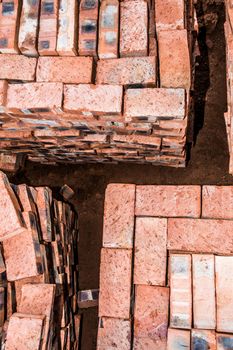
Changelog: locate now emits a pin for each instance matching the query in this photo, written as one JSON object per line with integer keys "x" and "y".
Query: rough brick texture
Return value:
{"x": 178, "y": 339}
{"x": 114, "y": 333}
{"x": 169, "y": 14}
{"x": 217, "y": 202}
{"x": 17, "y": 67}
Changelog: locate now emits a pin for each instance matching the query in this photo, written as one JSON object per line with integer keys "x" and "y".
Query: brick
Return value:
{"x": 96, "y": 99}
{"x": 9, "y": 15}
{"x": 174, "y": 59}
{"x": 217, "y": 202}
{"x": 44, "y": 199}
{"x": 148, "y": 102}
{"x": 180, "y": 291}
{"x": 26, "y": 199}
{"x": 224, "y": 295}
{"x": 17, "y": 67}
{"x": 178, "y": 339}
{"x": 169, "y": 14}
{"x": 168, "y": 201}
{"x": 69, "y": 70}
{"x": 127, "y": 71}
{"x": 28, "y": 30}
{"x": 3, "y": 95}
{"x": 205, "y": 237}
{"x": 115, "y": 283}
{"x": 67, "y": 38}
{"x": 204, "y": 311}
{"x": 88, "y": 18}
{"x": 149, "y": 141}
{"x": 203, "y": 339}
{"x": 151, "y": 317}
{"x": 150, "y": 257}
{"x": 133, "y": 28}
{"x": 119, "y": 205}
{"x": 114, "y": 333}
{"x": 224, "y": 341}
{"x": 108, "y": 29}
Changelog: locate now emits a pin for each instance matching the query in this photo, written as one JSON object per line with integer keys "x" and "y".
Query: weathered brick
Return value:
{"x": 168, "y": 201}
{"x": 44, "y": 199}
{"x": 17, "y": 67}
{"x": 204, "y": 311}
{"x": 114, "y": 333}
{"x": 169, "y": 14}
{"x": 205, "y": 238}
{"x": 224, "y": 341}
{"x": 127, "y": 71}
{"x": 150, "y": 257}
{"x": 88, "y": 18}
{"x": 217, "y": 202}
{"x": 9, "y": 14}
{"x": 178, "y": 339}
{"x": 115, "y": 283}
{"x": 180, "y": 291}
{"x": 203, "y": 339}
{"x": 3, "y": 95}
{"x": 119, "y": 205}
{"x": 133, "y": 28}
{"x": 127, "y": 140}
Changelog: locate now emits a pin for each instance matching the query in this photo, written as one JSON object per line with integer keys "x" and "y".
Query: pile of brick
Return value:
{"x": 119, "y": 91}
{"x": 38, "y": 270}
{"x": 166, "y": 268}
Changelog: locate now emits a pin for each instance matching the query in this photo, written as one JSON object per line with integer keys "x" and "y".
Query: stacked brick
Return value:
{"x": 166, "y": 268}
{"x": 89, "y": 82}
{"x": 38, "y": 270}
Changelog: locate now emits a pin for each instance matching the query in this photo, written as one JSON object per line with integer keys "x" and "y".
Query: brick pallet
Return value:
{"x": 97, "y": 82}
{"x": 38, "y": 270}
{"x": 166, "y": 268}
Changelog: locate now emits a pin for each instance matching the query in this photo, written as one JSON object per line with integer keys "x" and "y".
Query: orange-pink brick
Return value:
{"x": 114, "y": 333}
{"x": 178, "y": 339}
{"x": 17, "y": 67}
{"x": 205, "y": 337}
{"x": 169, "y": 14}
{"x": 224, "y": 340}
{"x": 217, "y": 202}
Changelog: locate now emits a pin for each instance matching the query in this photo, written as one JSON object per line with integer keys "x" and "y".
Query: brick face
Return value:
{"x": 217, "y": 202}
{"x": 205, "y": 337}
{"x": 114, "y": 333}
{"x": 224, "y": 341}
{"x": 178, "y": 339}
{"x": 17, "y": 67}
{"x": 169, "y": 14}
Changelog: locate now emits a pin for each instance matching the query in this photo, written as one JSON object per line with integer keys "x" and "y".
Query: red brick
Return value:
{"x": 114, "y": 333}
{"x": 169, "y": 14}
{"x": 174, "y": 59}
{"x": 224, "y": 295}
{"x": 69, "y": 70}
{"x": 150, "y": 141}
{"x": 3, "y": 95}
{"x": 96, "y": 99}
{"x": 203, "y": 338}
{"x": 208, "y": 236}
{"x": 224, "y": 341}
{"x": 115, "y": 283}
{"x": 127, "y": 71}
{"x": 44, "y": 199}
{"x": 17, "y": 67}
{"x": 151, "y": 317}
{"x": 88, "y": 18}
{"x": 119, "y": 205}
{"x": 9, "y": 13}
{"x": 150, "y": 257}
{"x": 178, "y": 339}
{"x": 168, "y": 201}
{"x": 148, "y": 102}
{"x": 133, "y": 28}
{"x": 180, "y": 291}
{"x": 217, "y": 202}
{"x": 25, "y": 197}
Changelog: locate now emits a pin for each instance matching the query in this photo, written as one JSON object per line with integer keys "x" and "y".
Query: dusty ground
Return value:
{"x": 208, "y": 163}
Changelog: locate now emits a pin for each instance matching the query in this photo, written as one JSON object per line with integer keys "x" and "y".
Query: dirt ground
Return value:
{"x": 208, "y": 163}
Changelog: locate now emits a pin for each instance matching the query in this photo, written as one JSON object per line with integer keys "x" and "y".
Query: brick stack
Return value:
{"x": 38, "y": 270}
{"x": 106, "y": 82}
{"x": 166, "y": 268}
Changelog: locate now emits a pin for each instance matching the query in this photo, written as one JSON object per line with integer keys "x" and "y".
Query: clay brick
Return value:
{"x": 108, "y": 29}
{"x": 204, "y": 311}
{"x": 133, "y": 28}
{"x": 178, "y": 339}
{"x": 168, "y": 201}
{"x": 224, "y": 295}
{"x": 148, "y": 102}
{"x": 127, "y": 71}
{"x": 88, "y": 18}
{"x": 150, "y": 141}
{"x": 217, "y": 202}
{"x": 69, "y": 70}
{"x": 119, "y": 205}
{"x": 169, "y": 14}
{"x": 205, "y": 237}
{"x": 26, "y": 199}
{"x": 203, "y": 339}
{"x": 17, "y": 67}
{"x": 180, "y": 291}
{"x": 151, "y": 317}
{"x": 115, "y": 283}
{"x": 224, "y": 341}
{"x": 44, "y": 199}
{"x": 9, "y": 15}
{"x": 114, "y": 333}
{"x": 3, "y": 95}
{"x": 97, "y": 99}
{"x": 150, "y": 257}
{"x": 174, "y": 59}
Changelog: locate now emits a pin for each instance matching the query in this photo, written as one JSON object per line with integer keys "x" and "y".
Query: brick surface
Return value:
{"x": 168, "y": 201}
{"x": 180, "y": 291}
{"x": 127, "y": 71}
{"x": 70, "y": 70}
{"x": 114, "y": 333}
{"x": 224, "y": 295}
{"x": 48, "y": 27}
{"x": 217, "y": 202}
{"x": 203, "y": 339}
{"x": 169, "y": 14}
{"x": 9, "y": 12}
{"x": 224, "y": 341}
{"x": 150, "y": 257}
{"x": 151, "y": 317}
{"x": 155, "y": 103}
{"x": 174, "y": 59}
{"x": 3, "y": 95}
{"x": 44, "y": 199}
{"x": 88, "y": 18}
{"x": 119, "y": 205}
{"x": 205, "y": 238}
{"x": 133, "y": 28}
{"x": 178, "y": 339}
{"x": 204, "y": 311}
{"x": 17, "y": 67}
{"x": 115, "y": 283}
